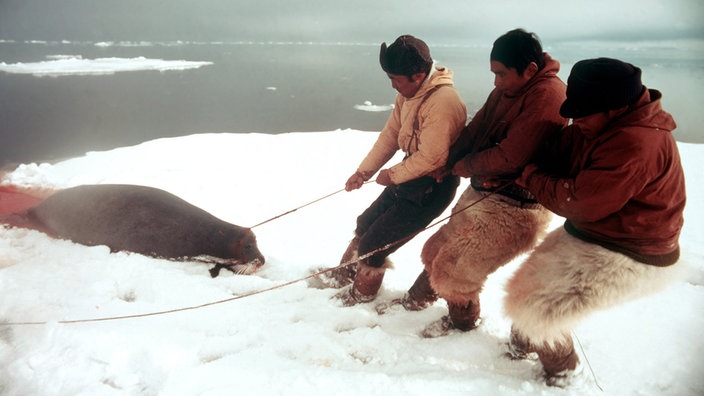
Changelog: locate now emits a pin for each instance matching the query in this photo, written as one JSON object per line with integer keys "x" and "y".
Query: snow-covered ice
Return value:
{"x": 65, "y": 65}
{"x": 295, "y": 339}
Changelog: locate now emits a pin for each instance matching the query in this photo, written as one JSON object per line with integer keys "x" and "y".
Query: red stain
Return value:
{"x": 14, "y": 199}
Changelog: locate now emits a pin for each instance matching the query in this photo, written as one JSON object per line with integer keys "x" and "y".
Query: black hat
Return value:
{"x": 406, "y": 56}
{"x": 601, "y": 84}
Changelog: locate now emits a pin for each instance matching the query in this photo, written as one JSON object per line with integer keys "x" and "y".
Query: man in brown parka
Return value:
{"x": 615, "y": 175}
{"x": 504, "y": 220}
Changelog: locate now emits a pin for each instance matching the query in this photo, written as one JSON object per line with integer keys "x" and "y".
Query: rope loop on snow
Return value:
{"x": 280, "y": 286}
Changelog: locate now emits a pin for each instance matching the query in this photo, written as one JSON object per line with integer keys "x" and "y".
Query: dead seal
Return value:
{"x": 146, "y": 220}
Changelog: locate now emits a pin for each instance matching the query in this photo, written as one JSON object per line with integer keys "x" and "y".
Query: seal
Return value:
{"x": 148, "y": 221}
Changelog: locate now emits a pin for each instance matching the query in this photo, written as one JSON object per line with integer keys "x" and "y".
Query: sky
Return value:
{"x": 453, "y": 22}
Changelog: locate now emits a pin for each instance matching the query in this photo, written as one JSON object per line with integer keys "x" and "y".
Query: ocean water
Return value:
{"x": 267, "y": 87}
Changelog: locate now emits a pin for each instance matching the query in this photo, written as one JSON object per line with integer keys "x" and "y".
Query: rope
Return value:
{"x": 280, "y": 286}
{"x": 304, "y": 205}
{"x": 109, "y": 318}
{"x": 589, "y": 364}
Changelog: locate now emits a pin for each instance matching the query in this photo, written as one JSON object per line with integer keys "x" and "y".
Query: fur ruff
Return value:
{"x": 566, "y": 279}
{"x": 369, "y": 270}
{"x": 477, "y": 241}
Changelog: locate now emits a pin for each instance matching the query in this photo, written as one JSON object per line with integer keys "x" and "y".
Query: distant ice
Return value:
{"x": 368, "y": 106}
{"x": 64, "y": 65}
{"x": 179, "y": 43}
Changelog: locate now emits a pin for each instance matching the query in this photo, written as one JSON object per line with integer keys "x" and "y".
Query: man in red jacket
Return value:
{"x": 615, "y": 175}
{"x": 504, "y": 135}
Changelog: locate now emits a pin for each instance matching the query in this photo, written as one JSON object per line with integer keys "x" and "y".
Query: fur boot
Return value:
{"x": 559, "y": 362}
{"x": 341, "y": 276}
{"x": 419, "y": 297}
{"x": 462, "y": 317}
{"x": 519, "y": 347}
{"x": 367, "y": 282}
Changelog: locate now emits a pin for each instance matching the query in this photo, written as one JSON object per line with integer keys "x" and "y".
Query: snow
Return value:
{"x": 293, "y": 340}
{"x": 65, "y": 65}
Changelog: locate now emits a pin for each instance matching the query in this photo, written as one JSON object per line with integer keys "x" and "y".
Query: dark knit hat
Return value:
{"x": 601, "y": 84}
{"x": 406, "y": 56}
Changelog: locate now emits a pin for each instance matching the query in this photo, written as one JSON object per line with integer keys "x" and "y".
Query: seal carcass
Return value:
{"x": 146, "y": 220}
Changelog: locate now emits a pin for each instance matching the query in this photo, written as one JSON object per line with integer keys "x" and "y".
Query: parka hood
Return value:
{"x": 439, "y": 75}
{"x": 647, "y": 112}
{"x": 552, "y": 67}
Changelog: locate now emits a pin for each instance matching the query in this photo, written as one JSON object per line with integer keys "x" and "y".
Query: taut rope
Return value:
{"x": 304, "y": 205}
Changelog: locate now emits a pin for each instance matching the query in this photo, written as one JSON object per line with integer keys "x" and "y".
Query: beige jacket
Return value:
{"x": 441, "y": 117}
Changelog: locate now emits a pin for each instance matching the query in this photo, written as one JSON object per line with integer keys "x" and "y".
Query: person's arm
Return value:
{"x": 381, "y": 152}
{"x": 616, "y": 172}
{"x": 441, "y": 120}
{"x": 538, "y": 120}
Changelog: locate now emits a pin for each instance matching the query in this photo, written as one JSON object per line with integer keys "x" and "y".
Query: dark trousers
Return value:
{"x": 401, "y": 211}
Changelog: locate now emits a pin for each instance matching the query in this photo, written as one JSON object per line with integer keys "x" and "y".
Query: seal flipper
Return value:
{"x": 215, "y": 271}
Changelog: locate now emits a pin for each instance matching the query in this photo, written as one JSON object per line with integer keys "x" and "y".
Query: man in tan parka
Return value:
{"x": 427, "y": 118}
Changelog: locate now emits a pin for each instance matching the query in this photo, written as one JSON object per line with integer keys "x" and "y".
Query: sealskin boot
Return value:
{"x": 340, "y": 276}
{"x": 462, "y": 317}
{"x": 367, "y": 283}
{"x": 419, "y": 297}
{"x": 559, "y": 362}
{"x": 519, "y": 347}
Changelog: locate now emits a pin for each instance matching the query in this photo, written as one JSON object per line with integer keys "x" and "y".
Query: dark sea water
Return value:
{"x": 260, "y": 87}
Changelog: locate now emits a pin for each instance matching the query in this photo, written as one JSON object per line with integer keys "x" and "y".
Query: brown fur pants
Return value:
{"x": 476, "y": 242}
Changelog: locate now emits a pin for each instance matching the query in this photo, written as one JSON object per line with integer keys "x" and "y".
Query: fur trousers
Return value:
{"x": 477, "y": 241}
{"x": 566, "y": 279}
